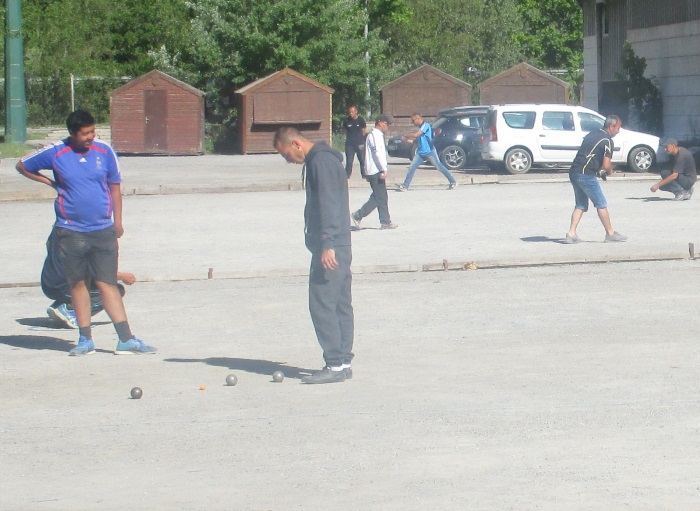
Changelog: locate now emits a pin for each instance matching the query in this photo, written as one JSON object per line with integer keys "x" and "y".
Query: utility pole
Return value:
{"x": 15, "y": 98}
{"x": 367, "y": 60}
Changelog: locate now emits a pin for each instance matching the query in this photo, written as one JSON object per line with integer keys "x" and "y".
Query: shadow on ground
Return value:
{"x": 249, "y": 365}
{"x": 50, "y": 324}
{"x": 36, "y": 342}
{"x": 541, "y": 239}
{"x": 651, "y": 199}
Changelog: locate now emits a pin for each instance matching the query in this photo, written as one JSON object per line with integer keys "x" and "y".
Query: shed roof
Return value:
{"x": 422, "y": 69}
{"x": 260, "y": 82}
{"x": 524, "y": 66}
{"x": 159, "y": 74}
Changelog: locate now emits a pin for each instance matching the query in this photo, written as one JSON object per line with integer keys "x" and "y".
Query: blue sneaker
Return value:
{"x": 134, "y": 346}
{"x": 63, "y": 315}
{"x": 85, "y": 347}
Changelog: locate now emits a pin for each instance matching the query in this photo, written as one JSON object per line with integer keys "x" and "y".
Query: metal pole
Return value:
{"x": 15, "y": 98}
{"x": 367, "y": 60}
{"x": 72, "y": 93}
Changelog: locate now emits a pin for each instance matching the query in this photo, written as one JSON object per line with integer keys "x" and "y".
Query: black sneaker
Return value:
{"x": 325, "y": 375}
{"x": 356, "y": 220}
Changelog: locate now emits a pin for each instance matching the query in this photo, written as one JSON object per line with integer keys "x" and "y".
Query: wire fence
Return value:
{"x": 50, "y": 100}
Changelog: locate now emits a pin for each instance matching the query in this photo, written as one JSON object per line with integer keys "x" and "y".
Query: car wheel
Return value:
{"x": 518, "y": 161}
{"x": 453, "y": 157}
{"x": 641, "y": 159}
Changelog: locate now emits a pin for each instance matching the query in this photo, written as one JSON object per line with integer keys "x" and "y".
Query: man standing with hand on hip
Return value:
{"x": 88, "y": 223}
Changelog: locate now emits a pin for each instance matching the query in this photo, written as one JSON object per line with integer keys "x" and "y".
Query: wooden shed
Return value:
{"x": 523, "y": 84}
{"x": 157, "y": 114}
{"x": 425, "y": 90}
{"x": 284, "y": 98}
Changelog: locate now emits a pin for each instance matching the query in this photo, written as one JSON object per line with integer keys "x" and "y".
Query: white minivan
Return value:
{"x": 519, "y": 136}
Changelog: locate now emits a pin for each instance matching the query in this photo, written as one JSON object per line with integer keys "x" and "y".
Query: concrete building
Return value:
{"x": 667, "y": 35}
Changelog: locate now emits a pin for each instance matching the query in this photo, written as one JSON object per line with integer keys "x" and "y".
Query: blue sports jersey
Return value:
{"x": 84, "y": 201}
{"x": 425, "y": 141}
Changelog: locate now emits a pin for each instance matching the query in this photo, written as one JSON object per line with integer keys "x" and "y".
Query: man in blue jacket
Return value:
{"x": 327, "y": 230}
{"x": 425, "y": 150}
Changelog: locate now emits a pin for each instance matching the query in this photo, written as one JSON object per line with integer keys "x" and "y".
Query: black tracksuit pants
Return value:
{"x": 330, "y": 305}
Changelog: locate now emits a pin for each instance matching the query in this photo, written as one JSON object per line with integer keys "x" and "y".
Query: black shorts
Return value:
{"x": 88, "y": 255}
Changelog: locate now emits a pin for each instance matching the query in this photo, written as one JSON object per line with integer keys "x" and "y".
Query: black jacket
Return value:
{"x": 327, "y": 211}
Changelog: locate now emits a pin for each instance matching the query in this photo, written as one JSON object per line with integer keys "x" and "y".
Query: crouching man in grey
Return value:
{"x": 681, "y": 179}
{"x": 327, "y": 230}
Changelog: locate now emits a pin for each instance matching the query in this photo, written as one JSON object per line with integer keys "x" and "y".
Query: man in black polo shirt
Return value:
{"x": 354, "y": 140}
{"x": 680, "y": 180}
{"x": 594, "y": 154}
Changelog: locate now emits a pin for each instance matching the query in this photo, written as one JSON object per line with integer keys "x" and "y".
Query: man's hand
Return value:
{"x": 328, "y": 260}
{"x": 126, "y": 277}
{"x": 119, "y": 230}
{"x": 654, "y": 187}
{"x": 382, "y": 175}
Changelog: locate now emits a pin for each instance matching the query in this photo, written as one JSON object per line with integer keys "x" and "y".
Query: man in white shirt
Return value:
{"x": 375, "y": 173}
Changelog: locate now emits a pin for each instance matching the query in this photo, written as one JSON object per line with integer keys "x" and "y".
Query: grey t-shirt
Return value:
{"x": 685, "y": 165}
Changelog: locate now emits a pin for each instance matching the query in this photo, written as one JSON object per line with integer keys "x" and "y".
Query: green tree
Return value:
{"x": 469, "y": 39}
{"x": 233, "y": 42}
{"x": 552, "y": 36}
{"x": 141, "y": 30}
{"x": 58, "y": 44}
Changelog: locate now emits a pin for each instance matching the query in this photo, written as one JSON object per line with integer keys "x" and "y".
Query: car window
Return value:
{"x": 590, "y": 122}
{"x": 439, "y": 122}
{"x": 472, "y": 121}
{"x": 560, "y": 121}
{"x": 520, "y": 120}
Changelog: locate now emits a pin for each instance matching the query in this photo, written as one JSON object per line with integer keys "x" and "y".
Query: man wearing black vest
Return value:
{"x": 355, "y": 127}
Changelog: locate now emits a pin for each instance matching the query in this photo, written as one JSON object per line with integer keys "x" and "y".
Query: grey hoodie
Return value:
{"x": 327, "y": 211}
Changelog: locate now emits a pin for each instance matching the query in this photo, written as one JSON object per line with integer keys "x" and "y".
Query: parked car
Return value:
{"x": 519, "y": 136}
{"x": 456, "y": 135}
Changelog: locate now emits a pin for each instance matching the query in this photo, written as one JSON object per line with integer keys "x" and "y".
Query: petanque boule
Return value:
{"x": 277, "y": 376}
{"x": 136, "y": 393}
{"x": 231, "y": 380}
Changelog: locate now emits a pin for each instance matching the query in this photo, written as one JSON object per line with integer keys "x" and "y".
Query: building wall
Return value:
{"x": 522, "y": 86}
{"x": 424, "y": 92}
{"x": 283, "y": 101}
{"x": 184, "y": 119}
{"x": 672, "y": 53}
{"x": 590, "y": 73}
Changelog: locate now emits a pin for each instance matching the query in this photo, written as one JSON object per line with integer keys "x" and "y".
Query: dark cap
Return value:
{"x": 669, "y": 141}
{"x": 385, "y": 118}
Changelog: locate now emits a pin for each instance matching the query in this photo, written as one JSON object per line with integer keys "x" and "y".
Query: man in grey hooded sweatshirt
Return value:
{"x": 327, "y": 231}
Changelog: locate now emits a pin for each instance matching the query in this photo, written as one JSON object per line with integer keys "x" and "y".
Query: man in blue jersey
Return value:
{"x": 425, "y": 151}
{"x": 88, "y": 211}
{"x": 594, "y": 156}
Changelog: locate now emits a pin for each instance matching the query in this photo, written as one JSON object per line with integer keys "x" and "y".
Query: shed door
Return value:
{"x": 156, "y": 110}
